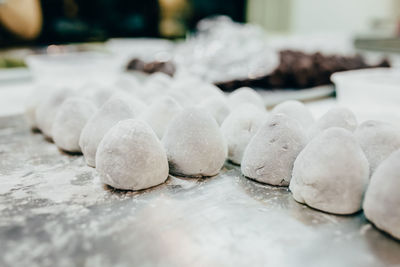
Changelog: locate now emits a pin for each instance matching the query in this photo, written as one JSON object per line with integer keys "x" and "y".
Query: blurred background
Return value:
{"x": 43, "y": 22}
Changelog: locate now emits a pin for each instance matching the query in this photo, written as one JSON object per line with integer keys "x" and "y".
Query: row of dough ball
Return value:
{"x": 78, "y": 120}
{"x": 329, "y": 169}
{"x": 328, "y": 163}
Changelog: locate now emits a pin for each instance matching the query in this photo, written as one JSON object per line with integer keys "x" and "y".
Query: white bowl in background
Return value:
{"x": 74, "y": 69}
{"x": 370, "y": 93}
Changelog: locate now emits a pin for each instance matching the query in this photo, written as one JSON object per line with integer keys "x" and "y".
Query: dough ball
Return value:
{"x": 159, "y": 79}
{"x": 97, "y": 94}
{"x": 208, "y": 90}
{"x": 32, "y": 102}
{"x": 160, "y": 113}
{"x": 239, "y": 127}
{"x": 68, "y": 124}
{"x": 297, "y": 111}
{"x": 113, "y": 111}
{"x": 378, "y": 140}
{"x": 131, "y": 157}
{"x": 47, "y": 109}
{"x": 245, "y": 95}
{"x": 217, "y": 107}
{"x": 331, "y": 173}
{"x": 137, "y": 105}
{"x": 270, "y": 155}
{"x": 128, "y": 83}
{"x": 335, "y": 117}
{"x": 184, "y": 91}
{"x": 382, "y": 199}
{"x": 194, "y": 144}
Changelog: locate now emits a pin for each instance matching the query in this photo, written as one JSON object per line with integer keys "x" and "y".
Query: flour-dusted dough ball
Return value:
{"x": 131, "y": 157}
{"x": 331, "y": 173}
{"x": 32, "y": 102}
{"x": 245, "y": 95}
{"x": 160, "y": 113}
{"x": 113, "y": 111}
{"x": 208, "y": 90}
{"x": 68, "y": 124}
{"x": 96, "y": 93}
{"x": 194, "y": 144}
{"x": 184, "y": 91}
{"x": 335, "y": 117}
{"x": 297, "y": 111}
{"x": 137, "y": 105}
{"x": 47, "y": 109}
{"x": 217, "y": 107}
{"x": 159, "y": 79}
{"x": 382, "y": 199}
{"x": 128, "y": 83}
{"x": 239, "y": 127}
{"x": 270, "y": 155}
{"x": 378, "y": 140}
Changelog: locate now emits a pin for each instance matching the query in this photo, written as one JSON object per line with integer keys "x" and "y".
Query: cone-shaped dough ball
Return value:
{"x": 331, "y": 173}
{"x": 296, "y": 110}
{"x": 207, "y": 90}
{"x": 245, "y": 95}
{"x": 96, "y": 93}
{"x": 378, "y": 140}
{"x": 113, "y": 111}
{"x": 32, "y": 102}
{"x": 159, "y": 79}
{"x": 128, "y": 83}
{"x": 131, "y": 157}
{"x": 239, "y": 127}
{"x": 217, "y": 107}
{"x": 160, "y": 113}
{"x": 70, "y": 119}
{"x": 335, "y": 117}
{"x": 47, "y": 109}
{"x": 270, "y": 155}
{"x": 382, "y": 199}
{"x": 137, "y": 105}
{"x": 194, "y": 144}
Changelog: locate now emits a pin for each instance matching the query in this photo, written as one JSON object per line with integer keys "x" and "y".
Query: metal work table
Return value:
{"x": 55, "y": 212}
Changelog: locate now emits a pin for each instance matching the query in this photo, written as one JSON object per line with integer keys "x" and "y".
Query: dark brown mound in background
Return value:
{"x": 296, "y": 70}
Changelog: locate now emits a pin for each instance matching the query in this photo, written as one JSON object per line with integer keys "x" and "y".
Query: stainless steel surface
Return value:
{"x": 54, "y": 212}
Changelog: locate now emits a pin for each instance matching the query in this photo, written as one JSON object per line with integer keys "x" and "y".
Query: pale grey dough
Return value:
{"x": 239, "y": 127}
{"x": 217, "y": 106}
{"x": 131, "y": 157}
{"x": 208, "y": 90}
{"x": 160, "y": 113}
{"x": 194, "y": 144}
{"x": 48, "y": 107}
{"x": 378, "y": 140}
{"x": 331, "y": 173}
{"x": 297, "y": 111}
{"x": 32, "y": 102}
{"x": 270, "y": 155}
{"x": 137, "y": 105}
{"x": 113, "y": 111}
{"x": 335, "y": 117}
{"x": 68, "y": 124}
{"x": 245, "y": 95}
{"x": 190, "y": 92}
{"x": 96, "y": 93}
{"x": 382, "y": 199}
